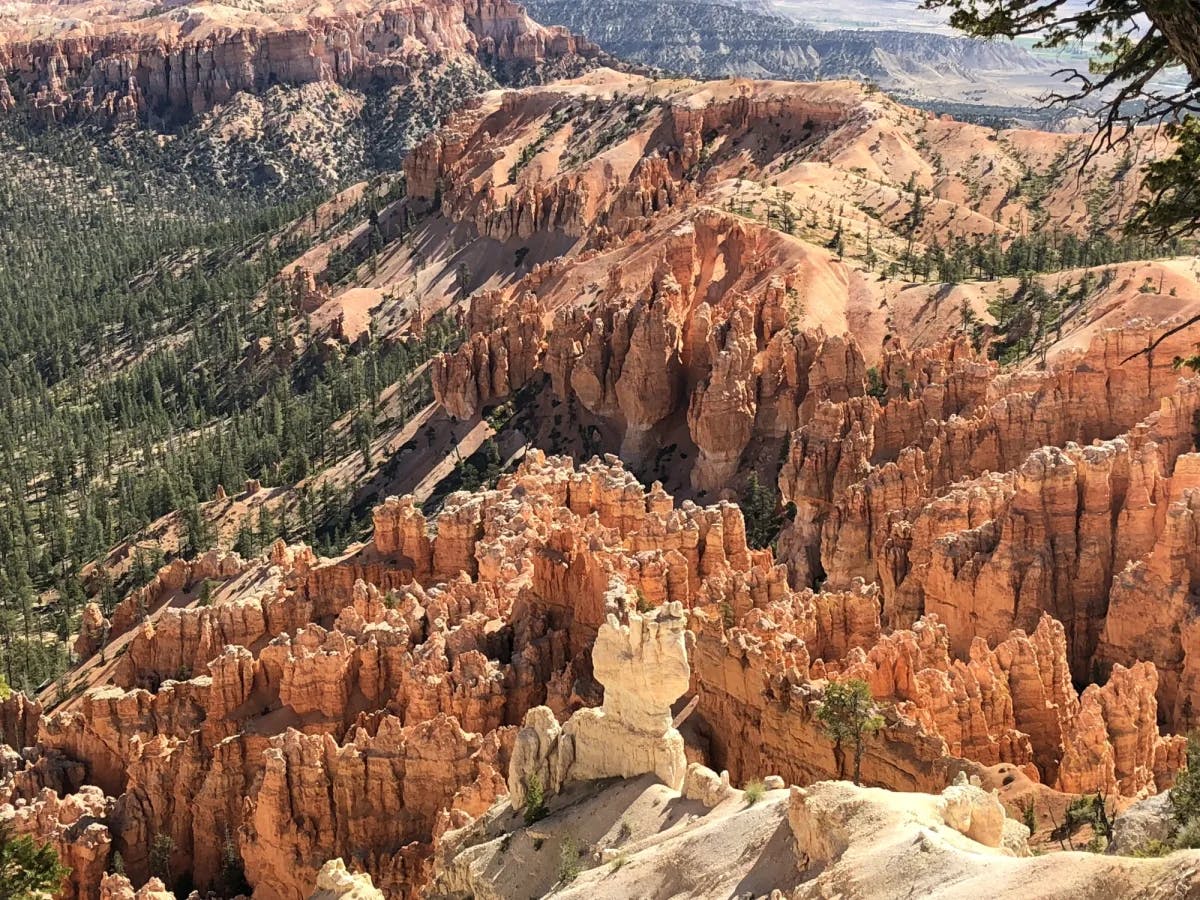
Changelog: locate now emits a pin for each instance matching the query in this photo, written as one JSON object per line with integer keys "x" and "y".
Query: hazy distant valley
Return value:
{"x": 905, "y": 51}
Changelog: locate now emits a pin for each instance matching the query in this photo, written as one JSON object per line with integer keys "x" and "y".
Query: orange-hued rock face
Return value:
{"x": 972, "y": 501}
{"x": 686, "y": 304}
{"x": 674, "y": 312}
{"x": 411, "y": 775}
{"x": 1006, "y": 556}
{"x": 75, "y": 826}
{"x": 264, "y": 714}
{"x": 364, "y": 706}
{"x": 110, "y": 63}
{"x": 93, "y": 631}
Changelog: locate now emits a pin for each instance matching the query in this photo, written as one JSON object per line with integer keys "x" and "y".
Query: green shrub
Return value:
{"x": 27, "y": 868}
{"x": 643, "y": 605}
{"x": 1029, "y": 815}
{"x": 754, "y": 791}
{"x": 161, "y": 848}
{"x": 875, "y": 386}
{"x": 233, "y": 870}
{"x": 1185, "y": 795}
{"x": 569, "y": 864}
{"x": 1151, "y": 849}
{"x": 1088, "y": 810}
{"x": 1188, "y": 836}
{"x": 761, "y": 513}
{"x": 535, "y": 799}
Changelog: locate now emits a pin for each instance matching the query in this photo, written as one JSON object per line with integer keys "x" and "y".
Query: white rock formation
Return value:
{"x": 972, "y": 811}
{"x": 535, "y": 756}
{"x": 826, "y": 816}
{"x": 703, "y": 784}
{"x": 644, "y": 669}
{"x": 335, "y": 882}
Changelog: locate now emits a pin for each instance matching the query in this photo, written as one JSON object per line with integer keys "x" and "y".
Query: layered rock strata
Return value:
{"x": 173, "y": 66}
{"x": 401, "y": 671}
{"x": 1053, "y": 492}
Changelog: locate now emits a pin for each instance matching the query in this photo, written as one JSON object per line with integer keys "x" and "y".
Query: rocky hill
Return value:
{"x": 278, "y": 96}
{"x": 502, "y": 523}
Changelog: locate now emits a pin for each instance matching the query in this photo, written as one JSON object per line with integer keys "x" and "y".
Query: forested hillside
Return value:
{"x": 151, "y": 353}
{"x": 132, "y": 287}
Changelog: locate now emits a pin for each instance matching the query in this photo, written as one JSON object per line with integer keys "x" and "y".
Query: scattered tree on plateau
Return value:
{"x": 1136, "y": 42}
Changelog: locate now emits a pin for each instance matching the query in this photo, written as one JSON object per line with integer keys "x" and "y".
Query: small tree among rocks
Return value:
{"x": 848, "y": 714}
{"x": 161, "y": 848}
{"x": 28, "y": 868}
{"x": 1185, "y": 797}
{"x": 535, "y": 799}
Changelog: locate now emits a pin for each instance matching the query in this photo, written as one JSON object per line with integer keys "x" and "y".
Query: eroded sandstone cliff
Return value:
{"x": 401, "y": 671}
{"x": 1006, "y": 558}
{"x": 173, "y": 65}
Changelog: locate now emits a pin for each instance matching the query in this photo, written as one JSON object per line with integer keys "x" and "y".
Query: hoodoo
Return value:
{"x": 447, "y": 460}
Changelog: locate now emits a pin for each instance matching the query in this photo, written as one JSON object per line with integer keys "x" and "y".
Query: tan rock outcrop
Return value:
{"x": 93, "y": 631}
{"x": 644, "y": 669}
{"x": 118, "y": 887}
{"x": 970, "y": 810}
{"x": 334, "y": 882}
{"x": 703, "y": 784}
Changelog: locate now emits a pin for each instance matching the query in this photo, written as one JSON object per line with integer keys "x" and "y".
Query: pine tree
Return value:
{"x": 198, "y": 535}
{"x": 761, "y": 514}
{"x": 848, "y": 714}
{"x": 462, "y": 279}
{"x": 27, "y": 869}
{"x": 1185, "y": 794}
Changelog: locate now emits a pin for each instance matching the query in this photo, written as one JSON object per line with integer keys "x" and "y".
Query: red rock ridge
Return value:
{"x": 175, "y": 66}
{"x": 401, "y": 671}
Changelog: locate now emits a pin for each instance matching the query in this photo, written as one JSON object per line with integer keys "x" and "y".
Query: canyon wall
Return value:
{"x": 990, "y": 503}
{"x": 177, "y": 65}
{"x": 402, "y": 671}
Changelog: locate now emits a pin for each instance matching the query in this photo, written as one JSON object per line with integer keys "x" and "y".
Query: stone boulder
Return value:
{"x": 1152, "y": 819}
{"x": 644, "y": 668}
{"x": 335, "y": 882}
{"x": 969, "y": 809}
{"x": 703, "y": 784}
